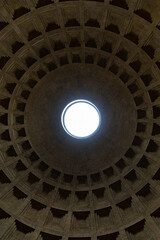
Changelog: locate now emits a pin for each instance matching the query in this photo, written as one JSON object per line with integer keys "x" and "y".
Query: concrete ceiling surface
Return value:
{"x": 53, "y": 186}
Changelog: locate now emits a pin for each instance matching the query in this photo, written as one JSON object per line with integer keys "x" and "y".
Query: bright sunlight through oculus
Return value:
{"x": 80, "y": 118}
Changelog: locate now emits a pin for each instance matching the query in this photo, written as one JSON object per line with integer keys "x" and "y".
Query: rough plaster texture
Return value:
{"x": 46, "y": 103}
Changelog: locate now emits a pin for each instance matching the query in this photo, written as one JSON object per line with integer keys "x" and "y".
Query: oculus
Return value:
{"x": 81, "y": 119}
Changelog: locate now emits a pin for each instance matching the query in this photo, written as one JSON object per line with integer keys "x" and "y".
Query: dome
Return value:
{"x": 57, "y": 187}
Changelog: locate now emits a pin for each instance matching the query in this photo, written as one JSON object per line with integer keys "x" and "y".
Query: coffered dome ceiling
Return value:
{"x": 56, "y": 187}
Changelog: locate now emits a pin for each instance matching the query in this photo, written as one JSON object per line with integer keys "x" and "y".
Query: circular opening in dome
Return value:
{"x": 81, "y": 119}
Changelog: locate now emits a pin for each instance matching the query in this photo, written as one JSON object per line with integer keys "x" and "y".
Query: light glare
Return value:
{"x": 80, "y": 118}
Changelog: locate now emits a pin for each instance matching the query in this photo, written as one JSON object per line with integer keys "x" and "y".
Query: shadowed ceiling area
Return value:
{"x": 55, "y": 187}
